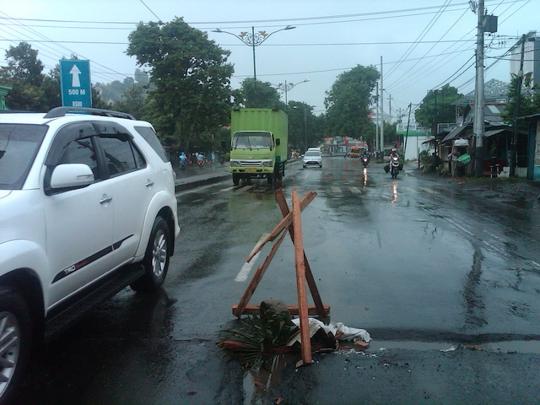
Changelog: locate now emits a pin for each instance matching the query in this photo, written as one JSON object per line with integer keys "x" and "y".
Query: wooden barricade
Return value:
{"x": 291, "y": 223}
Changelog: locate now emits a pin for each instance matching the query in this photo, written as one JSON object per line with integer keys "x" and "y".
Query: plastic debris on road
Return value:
{"x": 341, "y": 332}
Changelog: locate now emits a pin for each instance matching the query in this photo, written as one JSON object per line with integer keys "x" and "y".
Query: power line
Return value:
{"x": 47, "y": 39}
{"x": 350, "y": 67}
{"x": 453, "y": 75}
{"x": 149, "y": 9}
{"x": 432, "y": 68}
{"x": 241, "y": 45}
{"x": 430, "y": 49}
{"x": 251, "y": 22}
{"x": 420, "y": 37}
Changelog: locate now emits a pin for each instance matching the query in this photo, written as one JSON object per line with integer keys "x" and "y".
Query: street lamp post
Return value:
{"x": 286, "y": 87}
{"x": 253, "y": 40}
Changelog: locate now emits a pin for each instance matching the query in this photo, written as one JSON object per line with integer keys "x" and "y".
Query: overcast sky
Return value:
{"x": 277, "y": 59}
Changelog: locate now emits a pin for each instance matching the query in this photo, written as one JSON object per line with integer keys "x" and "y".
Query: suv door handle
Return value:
{"x": 105, "y": 199}
{"x": 149, "y": 183}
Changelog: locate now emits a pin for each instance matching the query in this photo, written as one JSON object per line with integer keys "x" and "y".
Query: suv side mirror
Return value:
{"x": 74, "y": 175}
{"x": 278, "y": 141}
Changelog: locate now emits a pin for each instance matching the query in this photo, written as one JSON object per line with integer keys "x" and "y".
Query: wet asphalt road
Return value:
{"x": 420, "y": 265}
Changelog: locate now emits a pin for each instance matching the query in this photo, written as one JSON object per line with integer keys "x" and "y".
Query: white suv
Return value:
{"x": 87, "y": 207}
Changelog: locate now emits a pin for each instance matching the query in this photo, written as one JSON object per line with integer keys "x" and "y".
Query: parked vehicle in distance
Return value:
{"x": 88, "y": 207}
{"x": 259, "y": 138}
{"x": 313, "y": 157}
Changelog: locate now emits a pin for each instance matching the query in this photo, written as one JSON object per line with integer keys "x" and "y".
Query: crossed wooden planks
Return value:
{"x": 291, "y": 223}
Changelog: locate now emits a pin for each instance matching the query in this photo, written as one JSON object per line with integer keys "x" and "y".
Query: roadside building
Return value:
{"x": 4, "y": 90}
{"x": 533, "y": 147}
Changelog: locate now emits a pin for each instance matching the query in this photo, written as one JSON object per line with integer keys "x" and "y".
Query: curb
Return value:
{"x": 201, "y": 182}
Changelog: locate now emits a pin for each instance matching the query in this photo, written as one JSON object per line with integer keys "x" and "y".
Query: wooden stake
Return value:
{"x": 284, "y": 223}
{"x": 322, "y": 310}
{"x": 300, "y": 278}
{"x": 248, "y": 293}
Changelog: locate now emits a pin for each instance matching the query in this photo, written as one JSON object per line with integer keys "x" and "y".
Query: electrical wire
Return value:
{"x": 251, "y": 22}
{"x": 346, "y": 68}
{"x": 48, "y": 40}
{"x": 149, "y": 9}
{"x": 242, "y": 45}
{"x": 429, "y": 50}
{"x": 419, "y": 38}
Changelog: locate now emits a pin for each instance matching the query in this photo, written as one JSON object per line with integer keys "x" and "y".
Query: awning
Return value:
{"x": 456, "y": 132}
{"x": 430, "y": 140}
{"x": 494, "y": 132}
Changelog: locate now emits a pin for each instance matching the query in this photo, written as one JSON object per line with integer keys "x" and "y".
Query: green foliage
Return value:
{"x": 438, "y": 106}
{"x": 132, "y": 101}
{"x": 348, "y": 102}
{"x": 23, "y": 65}
{"x": 256, "y": 94}
{"x": 190, "y": 79}
{"x": 305, "y": 128}
{"x": 529, "y": 100}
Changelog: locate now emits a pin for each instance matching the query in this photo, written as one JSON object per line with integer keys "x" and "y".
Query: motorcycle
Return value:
{"x": 394, "y": 166}
{"x": 365, "y": 161}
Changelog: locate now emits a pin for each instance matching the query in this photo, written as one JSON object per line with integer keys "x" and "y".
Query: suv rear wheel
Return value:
{"x": 15, "y": 340}
{"x": 156, "y": 259}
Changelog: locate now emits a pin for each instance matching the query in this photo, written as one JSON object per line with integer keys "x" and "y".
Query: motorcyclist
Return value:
{"x": 394, "y": 169}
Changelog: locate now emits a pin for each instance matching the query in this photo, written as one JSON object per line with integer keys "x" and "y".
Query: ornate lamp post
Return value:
{"x": 254, "y": 39}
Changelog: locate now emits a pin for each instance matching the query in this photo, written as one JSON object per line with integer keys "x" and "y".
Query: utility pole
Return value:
{"x": 305, "y": 128}
{"x": 390, "y": 106}
{"x": 478, "y": 128}
{"x": 517, "y": 108}
{"x": 382, "y": 107}
{"x": 286, "y": 90}
{"x": 377, "y": 149}
{"x": 407, "y": 132}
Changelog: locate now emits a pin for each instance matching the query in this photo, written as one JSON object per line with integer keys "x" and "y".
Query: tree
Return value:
{"x": 133, "y": 101}
{"x": 23, "y": 64}
{"x": 348, "y": 102}
{"x": 190, "y": 79}
{"x": 529, "y": 100}
{"x": 24, "y": 73}
{"x": 305, "y": 128}
{"x": 257, "y": 94}
{"x": 438, "y": 106}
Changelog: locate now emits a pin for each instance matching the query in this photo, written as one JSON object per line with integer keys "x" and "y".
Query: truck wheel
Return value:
{"x": 15, "y": 341}
{"x": 235, "y": 179}
{"x": 270, "y": 179}
{"x": 156, "y": 258}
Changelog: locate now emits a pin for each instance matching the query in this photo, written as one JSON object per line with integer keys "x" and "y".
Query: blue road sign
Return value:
{"x": 75, "y": 83}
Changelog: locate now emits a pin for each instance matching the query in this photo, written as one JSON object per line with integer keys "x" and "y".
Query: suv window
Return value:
{"x": 119, "y": 154}
{"x": 19, "y": 144}
{"x": 81, "y": 151}
{"x": 150, "y": 136}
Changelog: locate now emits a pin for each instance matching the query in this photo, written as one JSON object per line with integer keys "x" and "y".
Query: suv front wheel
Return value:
{"x": 156, "y": 259}
{"x": 15, "y": 340}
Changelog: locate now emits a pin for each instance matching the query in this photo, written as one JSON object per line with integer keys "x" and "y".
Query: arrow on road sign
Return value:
{"x": 75, "y": 72}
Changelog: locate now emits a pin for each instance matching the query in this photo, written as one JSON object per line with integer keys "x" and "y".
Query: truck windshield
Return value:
{"x": 19, "y": 144}
{"x": 252, "y": 140}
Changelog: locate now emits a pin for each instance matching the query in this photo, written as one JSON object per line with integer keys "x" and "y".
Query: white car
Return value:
{"x": 312, "y": 157}
{"x": 87, "y": 207}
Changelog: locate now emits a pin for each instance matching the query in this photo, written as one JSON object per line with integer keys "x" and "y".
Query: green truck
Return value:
{"x": 259, "y": 138}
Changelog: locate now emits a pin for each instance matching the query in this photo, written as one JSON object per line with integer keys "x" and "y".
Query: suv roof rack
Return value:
{"x": 63, "y": 111}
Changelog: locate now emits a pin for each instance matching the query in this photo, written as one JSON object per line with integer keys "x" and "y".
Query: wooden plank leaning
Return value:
{"x": 322, "y": 310}
{"x": 282, "y": 224}
{"x": 305, "y": 339}
{"x": 238, "y": 310}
